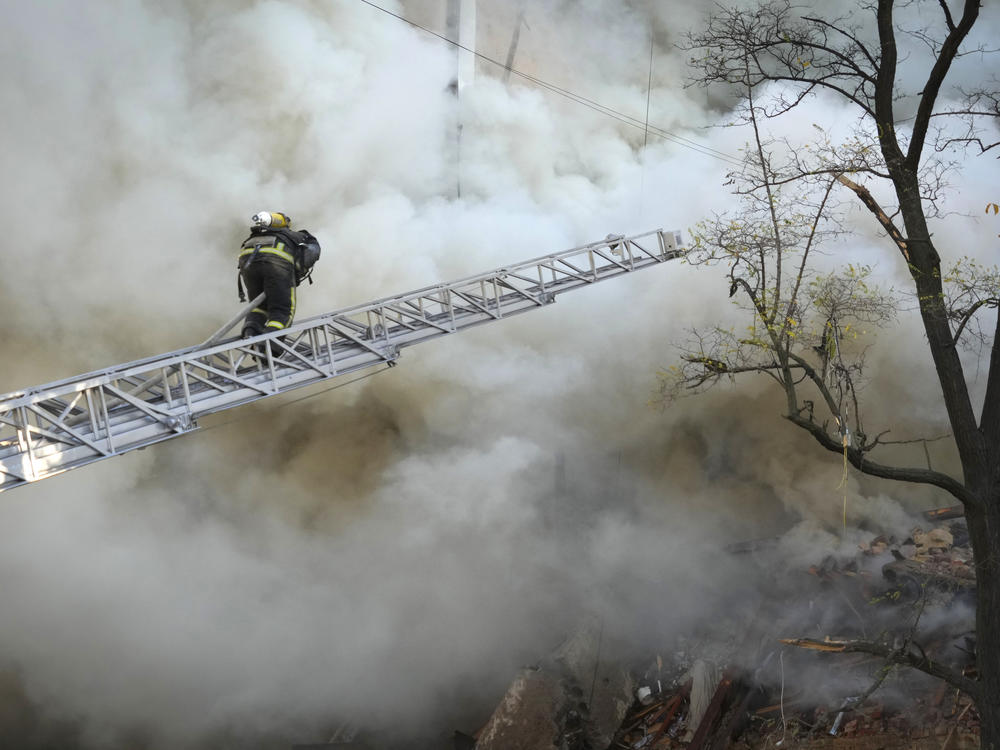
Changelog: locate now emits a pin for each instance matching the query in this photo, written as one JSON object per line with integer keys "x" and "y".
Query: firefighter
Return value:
{"x": 274, "y": 260}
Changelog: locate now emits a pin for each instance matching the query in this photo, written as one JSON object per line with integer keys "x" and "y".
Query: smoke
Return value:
{"x": 387, "y": 552}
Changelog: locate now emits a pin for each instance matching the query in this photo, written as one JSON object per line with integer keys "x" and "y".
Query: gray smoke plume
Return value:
{"x": 388, "y": 552}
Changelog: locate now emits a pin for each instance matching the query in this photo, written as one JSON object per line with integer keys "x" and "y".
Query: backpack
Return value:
{"x": 306, "y": 254}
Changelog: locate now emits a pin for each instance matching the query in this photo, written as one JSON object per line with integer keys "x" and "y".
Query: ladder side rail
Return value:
{"x": 473, "y": 299}
{"x": 154, "y": 399}
{"x": 108, "y": 429}
{"x": 130, "y": 435}
{"x": 562, "y": 282}
{"x": 173, "y": 358}
{"x": 470, "y": 280}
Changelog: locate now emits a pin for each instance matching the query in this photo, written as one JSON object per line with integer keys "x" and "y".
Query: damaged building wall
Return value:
{"x": 573, "y": 700}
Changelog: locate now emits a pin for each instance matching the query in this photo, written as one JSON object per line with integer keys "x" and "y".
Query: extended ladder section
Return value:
{"x": 52, "y": 428}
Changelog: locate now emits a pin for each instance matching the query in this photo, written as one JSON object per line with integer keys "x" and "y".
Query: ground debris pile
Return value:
{"x": 809, "y": 668}
{"x": 739, "y": 715}
{"x": 814, "y": 655}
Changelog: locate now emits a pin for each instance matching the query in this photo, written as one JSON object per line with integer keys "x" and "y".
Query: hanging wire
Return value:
{"x": 579, "y": 99}
{"x": 842, "y": 422}
{"x": 845, "y": 433}
{"x": 645, "y": 132}
{"x": 781, "y": 700}
{"x": 649, "y": 90}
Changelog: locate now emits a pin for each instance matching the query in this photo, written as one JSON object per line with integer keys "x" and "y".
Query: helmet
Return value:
{"x": 272, "y": 219}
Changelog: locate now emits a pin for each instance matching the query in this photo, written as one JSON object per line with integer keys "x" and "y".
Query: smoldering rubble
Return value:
{"x": 740, "y": 681}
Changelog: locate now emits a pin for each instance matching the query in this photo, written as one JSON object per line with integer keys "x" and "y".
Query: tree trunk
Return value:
{"x": 975, "y": 455}
{"x": 983, "y": 526}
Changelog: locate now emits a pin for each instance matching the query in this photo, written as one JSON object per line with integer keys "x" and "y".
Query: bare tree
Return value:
{"x": 809, "y": 329}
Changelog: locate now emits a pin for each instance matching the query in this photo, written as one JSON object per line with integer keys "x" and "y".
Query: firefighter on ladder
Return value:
{"x": 274, "y": 260}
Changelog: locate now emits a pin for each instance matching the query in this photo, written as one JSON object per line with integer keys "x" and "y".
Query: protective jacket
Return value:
{"x": 274, "y": 261}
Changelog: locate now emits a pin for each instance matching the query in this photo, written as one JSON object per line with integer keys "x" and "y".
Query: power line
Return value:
{"x": 579, "y": 99}
{"x": 649, "y": 89}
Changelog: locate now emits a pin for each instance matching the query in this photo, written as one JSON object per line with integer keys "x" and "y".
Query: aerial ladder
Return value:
{"x": 52, "y": 428}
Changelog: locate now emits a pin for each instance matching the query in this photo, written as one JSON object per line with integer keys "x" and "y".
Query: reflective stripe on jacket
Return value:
{"x": 258, "y": 248}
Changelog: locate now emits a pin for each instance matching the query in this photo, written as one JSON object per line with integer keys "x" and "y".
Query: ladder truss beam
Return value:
{"x": 56, "y": 427}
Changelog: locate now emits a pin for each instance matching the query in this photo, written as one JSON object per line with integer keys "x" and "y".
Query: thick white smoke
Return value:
{"x": 396, "y": 547}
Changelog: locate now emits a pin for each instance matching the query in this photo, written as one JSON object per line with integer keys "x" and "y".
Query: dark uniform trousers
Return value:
{"x": 275, "y": 276}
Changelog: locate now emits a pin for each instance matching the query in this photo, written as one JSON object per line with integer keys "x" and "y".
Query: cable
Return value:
{"x": 781, "y": 701}
{"x": 603, "y": 109}
{"x": 649, "y": 89}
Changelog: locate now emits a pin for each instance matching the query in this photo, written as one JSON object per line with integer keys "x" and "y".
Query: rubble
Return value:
{"x": 934, "y": 542}
{"x": 703, "y": 680}
{"x": 574, "y": 700}
{"x": 882, "y": 585}
{"x": 745, "y": 682}
{"x": 537, "y": 713}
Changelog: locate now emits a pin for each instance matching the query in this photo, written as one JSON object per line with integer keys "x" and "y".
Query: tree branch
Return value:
{"x": 947, "y": 15}
{"x": 965, "y": 112}
{"x": 967, "y": 314}
{"x": 772, "y": 209}
{"x": 896, "y": 656}
{"x": 825, "y": 83}
{"x": 715, "y": 368}
{"x": 834, "y": 171}
{"x": 818, "y": 381}
{"x": 793, "y": 297}
{"x": 861, "y": 46}
{"x": 983, "y": 147}
{"x": 752, "y": 294}
{"x": 949, "y": 48}
{"x": 783, "y": 50}
{"x": 858, "y": 456}
{"x": 884, "y": 84}
{"x": 859, "y": 461}
{"x": 866, "y": 197}
{"x": 878, "y": 439}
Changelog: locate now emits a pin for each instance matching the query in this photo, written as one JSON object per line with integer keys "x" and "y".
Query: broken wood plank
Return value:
{"x": 713, "y": 712}
{"x": 778, "y": 706}
{"x": 669, "y": 717}
{"x": 945, "y": 514}
{"x": 824, "y": 645}
{"x": 637, "y": 719}
{"x": 736, "y": 716}
{"x": 909, "y": 657}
